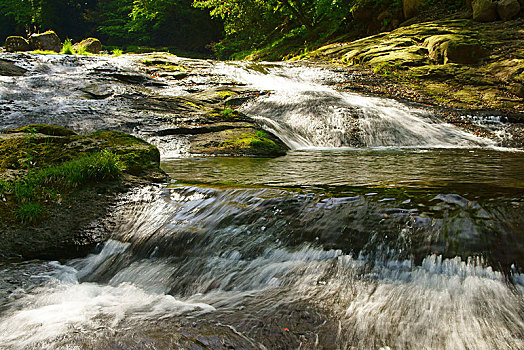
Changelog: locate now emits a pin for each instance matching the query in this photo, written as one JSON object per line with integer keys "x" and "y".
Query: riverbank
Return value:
{"x": 455, "y": 63}
{"x": 56, "y": 187}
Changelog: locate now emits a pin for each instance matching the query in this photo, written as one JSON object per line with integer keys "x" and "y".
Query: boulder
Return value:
{"x": 91, "y": 45}
{"x": 507, "y": 9}
{"x": 47, "y": 41}
{"x": 16, "y": 43}
{"x": 410, "y": 7}
{"x": 484, "y": 10}
{"x": 450, "y": 48}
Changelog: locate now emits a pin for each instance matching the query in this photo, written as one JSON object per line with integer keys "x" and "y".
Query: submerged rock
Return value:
{"x": 47, "y": 41}
{"x": 16, "y": 44}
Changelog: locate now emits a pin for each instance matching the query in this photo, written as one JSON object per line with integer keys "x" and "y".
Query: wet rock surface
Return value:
{"x": 10, "y": 69}
{"x": 151, "y": 96}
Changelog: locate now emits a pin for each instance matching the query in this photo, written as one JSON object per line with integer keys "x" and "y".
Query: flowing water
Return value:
{"x": 415, "y": 241}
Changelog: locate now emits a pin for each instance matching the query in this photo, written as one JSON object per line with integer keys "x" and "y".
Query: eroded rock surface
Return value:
{"x": 458, "y": 63}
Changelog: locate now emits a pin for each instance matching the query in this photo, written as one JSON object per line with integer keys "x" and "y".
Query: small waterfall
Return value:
{"x": 304, "y": 113}
{"x": 263, "y": 261}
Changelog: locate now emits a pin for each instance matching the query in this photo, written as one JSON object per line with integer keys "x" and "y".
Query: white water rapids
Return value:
{"x": 305, "y": 113}
{"x": 320, "y": 249}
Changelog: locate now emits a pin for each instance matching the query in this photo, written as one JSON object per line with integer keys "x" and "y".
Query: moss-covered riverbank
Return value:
{"x": 55, "y": 183}
{"x": 456, "y": 63}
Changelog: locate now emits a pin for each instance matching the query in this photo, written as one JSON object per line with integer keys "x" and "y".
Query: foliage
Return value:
{"x": 234, "y": 28}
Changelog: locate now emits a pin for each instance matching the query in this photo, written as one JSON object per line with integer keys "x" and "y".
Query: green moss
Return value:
{"x": 171, "y": 67}
{"x": 251, "y": 142}
{"x": 228, "y": 113}
{"x": 43, "y": 52}
{"x": 226, "y": 94}
{"x": 194, "y": 105}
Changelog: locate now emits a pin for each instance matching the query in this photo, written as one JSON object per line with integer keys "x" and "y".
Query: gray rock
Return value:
{"x": 8, "y": 68}
{"x": 507, "y": 9}
{"x": 47, "y": 41}
{"x": 16, "y": 44}
{"x": 484, "y": 10}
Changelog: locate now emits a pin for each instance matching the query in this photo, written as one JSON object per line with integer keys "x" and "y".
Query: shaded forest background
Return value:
{"x": 229, "y": 29}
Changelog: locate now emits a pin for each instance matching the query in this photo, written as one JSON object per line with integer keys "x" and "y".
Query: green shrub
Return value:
{"x": 118, "y": 52}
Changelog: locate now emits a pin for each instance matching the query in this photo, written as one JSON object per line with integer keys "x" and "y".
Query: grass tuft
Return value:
{"x": 45, "y": 184}
{"x": 67, "y": 48}
{"x": 30, "y": 213}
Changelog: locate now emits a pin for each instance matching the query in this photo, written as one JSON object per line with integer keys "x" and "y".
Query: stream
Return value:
{"x": 382, "y": 228}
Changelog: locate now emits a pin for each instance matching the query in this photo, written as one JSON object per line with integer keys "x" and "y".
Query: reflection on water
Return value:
{"x": 358, "y": 168}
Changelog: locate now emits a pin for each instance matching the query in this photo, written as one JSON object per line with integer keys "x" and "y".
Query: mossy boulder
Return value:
{"x": 47, "y": 41}
{"x": 53, "y": 188}
{"x": 91, "y": 45}
{"x": 16, "y": 44}
{"x": 454, "y": 48}
{"x": 46, "y": 145}
{"x": 238, "y": 141}
{"x": 484, "y": 10}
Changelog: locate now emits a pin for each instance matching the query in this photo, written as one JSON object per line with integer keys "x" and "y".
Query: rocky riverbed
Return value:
{"x": 184, "y": 107}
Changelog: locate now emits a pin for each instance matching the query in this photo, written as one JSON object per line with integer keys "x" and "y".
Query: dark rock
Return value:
{"x": 454, "y": 48}
{"x": 16, "y": 44}
{"x": 410, "y": 7}
{"x": 50, "y": 130}
{"x": 136, "y": 78}
{"x": 47, "y": 41}
{"x": 484, "y": 10}
{"x": 8, "y": 68}
{"x": 91, "y": 45}
{"x": 97, "y": 92}
{"x": 202, "y": 129}
{"x": 507, "y": 9}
